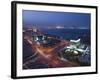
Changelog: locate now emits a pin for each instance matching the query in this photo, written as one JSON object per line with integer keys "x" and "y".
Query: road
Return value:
{"x": 48, "y": 55}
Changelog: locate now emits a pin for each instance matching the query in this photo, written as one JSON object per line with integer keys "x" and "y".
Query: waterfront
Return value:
{"x": 38, "y": 53}
{"x": 54, "y": 39}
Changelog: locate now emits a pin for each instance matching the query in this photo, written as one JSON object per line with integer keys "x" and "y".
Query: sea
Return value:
{"x": 74, "y": 34}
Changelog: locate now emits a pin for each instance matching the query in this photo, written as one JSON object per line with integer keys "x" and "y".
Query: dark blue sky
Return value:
{"x": 53, "y": 19}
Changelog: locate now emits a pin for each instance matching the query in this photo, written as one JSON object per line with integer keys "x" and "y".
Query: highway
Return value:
{"x": 48, "y": 55}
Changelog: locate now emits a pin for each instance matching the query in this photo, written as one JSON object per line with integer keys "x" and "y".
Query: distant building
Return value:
{"x": 40, "y": 39}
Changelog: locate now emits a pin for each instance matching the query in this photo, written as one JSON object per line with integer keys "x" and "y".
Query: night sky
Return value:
{"x": 52, "y": 19}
